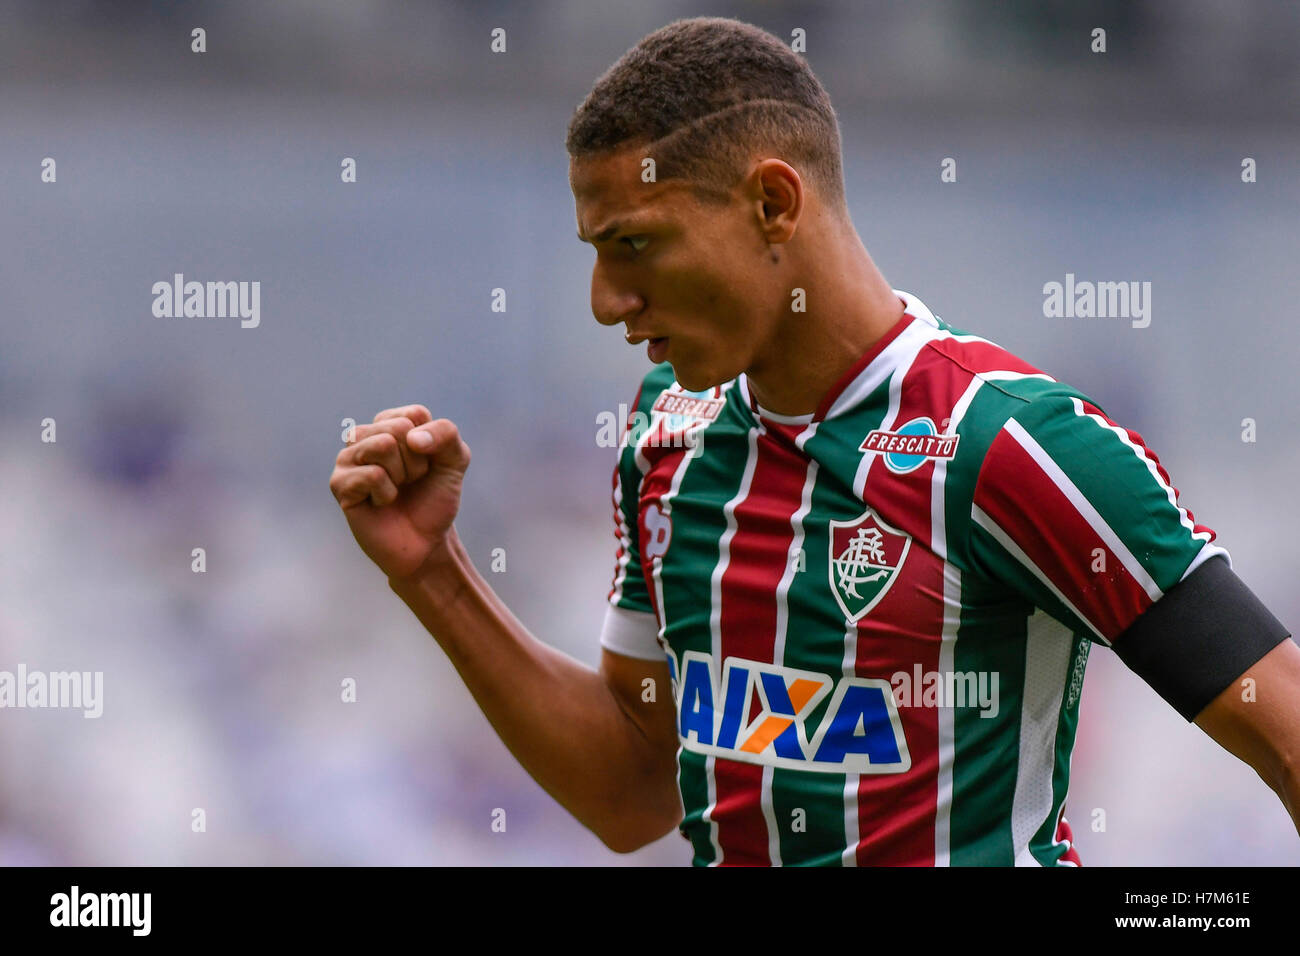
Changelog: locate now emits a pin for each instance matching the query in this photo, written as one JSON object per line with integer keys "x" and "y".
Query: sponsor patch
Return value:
{"x": 907, "y": 447}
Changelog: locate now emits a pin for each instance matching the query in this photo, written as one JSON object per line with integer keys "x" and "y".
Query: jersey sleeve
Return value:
{"x": 631, "y": 627}
{"x": 1078, "y": 516}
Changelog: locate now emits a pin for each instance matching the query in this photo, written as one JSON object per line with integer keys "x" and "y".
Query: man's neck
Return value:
{"x": 850, "y": 308}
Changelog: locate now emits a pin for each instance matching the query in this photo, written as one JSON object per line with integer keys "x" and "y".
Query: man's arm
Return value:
{"x": 1198, "y": 645}
{"x": 590, "y": 738}
{"x": 1262, "y": 726}
{"x": 1078, "y": 515}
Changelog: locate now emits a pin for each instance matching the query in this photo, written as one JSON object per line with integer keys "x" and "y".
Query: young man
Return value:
{"x": 867, "y": 551}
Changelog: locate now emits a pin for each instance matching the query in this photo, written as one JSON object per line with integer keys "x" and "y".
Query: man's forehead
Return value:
{"x": 609, "y": 187}
{"x": 612, "y": 167}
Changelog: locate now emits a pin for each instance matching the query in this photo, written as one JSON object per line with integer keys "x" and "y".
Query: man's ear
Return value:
{"x": 778, "y": 195}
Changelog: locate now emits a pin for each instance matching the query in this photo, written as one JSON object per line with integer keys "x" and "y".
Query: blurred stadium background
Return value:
{"x": 222, "y": 689}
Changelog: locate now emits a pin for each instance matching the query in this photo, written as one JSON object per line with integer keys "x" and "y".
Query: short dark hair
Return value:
{"x": 704, "y": 95}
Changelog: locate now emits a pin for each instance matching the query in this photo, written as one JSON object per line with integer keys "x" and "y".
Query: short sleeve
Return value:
{"x": 631, "y": 627}
{"x": 631, "y": 633}
{"x": 1077, "y": 515}
{"x": 628, "y": 588}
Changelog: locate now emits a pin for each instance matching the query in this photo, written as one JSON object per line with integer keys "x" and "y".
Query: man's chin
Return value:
{"x": 698, "y": 376}
{"x": 692, "y": 380}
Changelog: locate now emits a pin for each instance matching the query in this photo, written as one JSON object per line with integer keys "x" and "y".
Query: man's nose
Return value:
{"x": 611, "y": 302}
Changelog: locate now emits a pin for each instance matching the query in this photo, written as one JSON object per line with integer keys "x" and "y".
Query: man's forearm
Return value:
{"x": 558, "y": 717}
{"x": 1287, "y": 788}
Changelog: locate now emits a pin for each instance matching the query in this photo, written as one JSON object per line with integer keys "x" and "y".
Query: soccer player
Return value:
{"x": 867, "y": 551}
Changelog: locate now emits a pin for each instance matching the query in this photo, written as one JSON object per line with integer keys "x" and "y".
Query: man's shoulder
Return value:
{"x": 666, "y": 417}
{"x": 1006, "y": 382}
{"x": 654, "y": 383}
{"x": 661, "y": 396}
{"x": 980, "y": 388}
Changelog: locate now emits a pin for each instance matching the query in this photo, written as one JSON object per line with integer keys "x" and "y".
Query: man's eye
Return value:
{"x": 636, "y": 243}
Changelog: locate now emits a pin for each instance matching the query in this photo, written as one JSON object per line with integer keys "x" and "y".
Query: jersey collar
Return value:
{"x": 914, "y": 310}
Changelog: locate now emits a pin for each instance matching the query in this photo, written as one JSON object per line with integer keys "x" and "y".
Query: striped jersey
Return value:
{"x": 877, "y": 616}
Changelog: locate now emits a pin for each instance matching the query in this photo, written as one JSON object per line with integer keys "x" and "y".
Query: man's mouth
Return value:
{"x": 656, "y": 349}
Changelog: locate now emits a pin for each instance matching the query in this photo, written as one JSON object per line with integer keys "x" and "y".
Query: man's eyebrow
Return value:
{"x": 612, "y": 228}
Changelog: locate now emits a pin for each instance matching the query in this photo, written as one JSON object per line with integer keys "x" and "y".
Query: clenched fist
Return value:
{"x": 399, "y": 483}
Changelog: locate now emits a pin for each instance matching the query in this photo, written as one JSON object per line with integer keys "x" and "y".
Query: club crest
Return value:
{"x": 865, "y": 557}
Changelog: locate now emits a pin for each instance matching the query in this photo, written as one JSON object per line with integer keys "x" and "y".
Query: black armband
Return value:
{"x": 1204, "y": 633}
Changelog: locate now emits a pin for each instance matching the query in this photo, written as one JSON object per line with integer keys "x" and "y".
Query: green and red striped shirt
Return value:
{"x": 877, "y": 616}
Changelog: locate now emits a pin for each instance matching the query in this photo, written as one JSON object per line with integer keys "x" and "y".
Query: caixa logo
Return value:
{"x": 760, "y": 714}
